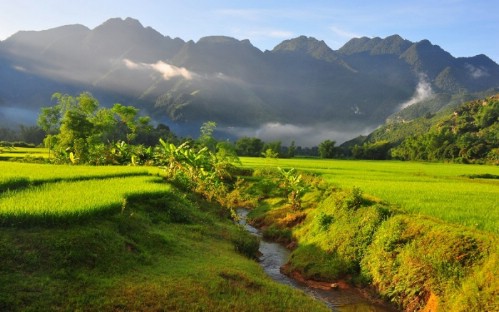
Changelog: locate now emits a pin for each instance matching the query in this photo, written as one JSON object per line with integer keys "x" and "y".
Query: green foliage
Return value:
{"x": 199, "y": 170}
{"x": 378, "y": 150}
{"x": 246, "y": 146}
{"x": 468, "y": 135}
{"x": 354, "y": 199}
{"x": 271, "y": 149}
{"x": 412, "y": 258}
{"x": 291, "y": 183}
{"x": 325, "y": 220}
{"x": 80, "y": 132}
{"x": 206, "y": 137}
{"x": 438, "y": 190}
{"x": 245, "y": 243}
{"x": 151, "y": 251}
{"x": 58, "y": 202}
{"x": 327, "y": 149}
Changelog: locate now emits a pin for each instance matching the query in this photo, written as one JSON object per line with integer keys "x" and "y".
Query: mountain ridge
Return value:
{"x": 301, "y": 84}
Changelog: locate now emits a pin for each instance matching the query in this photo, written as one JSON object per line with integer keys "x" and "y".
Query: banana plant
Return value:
{"x": 292, "y": 184}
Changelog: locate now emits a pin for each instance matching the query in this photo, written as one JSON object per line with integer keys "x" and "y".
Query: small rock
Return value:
{"x": 334, "y": 286}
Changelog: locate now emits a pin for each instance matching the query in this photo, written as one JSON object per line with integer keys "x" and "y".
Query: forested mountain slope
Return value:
{"x": 467, "y": 133}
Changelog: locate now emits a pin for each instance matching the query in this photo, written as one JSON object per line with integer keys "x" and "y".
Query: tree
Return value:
{"x": 274, "y": 148}
{"x": 206, "y": 137}
{"x": 247, "y": 146}
{"x": 83, "y": 132}
{"x": 127, "y": 120}
{"x": 31, "y": 134}
{"x": 292, "y": 150}
{"x": 327, "y": 149}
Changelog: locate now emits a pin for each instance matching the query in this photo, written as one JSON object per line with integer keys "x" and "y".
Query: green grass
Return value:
{"x": 7, "y": 153}
{"x": 14, "y": 175}
{"x": 143, "y": 246}
{"x": 75, "y": 199}
{"x": 412, "y": 260}
{"x": 434, "y": 189}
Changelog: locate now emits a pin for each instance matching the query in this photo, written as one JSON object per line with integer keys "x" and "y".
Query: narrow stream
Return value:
{"x": 274, "y": 255}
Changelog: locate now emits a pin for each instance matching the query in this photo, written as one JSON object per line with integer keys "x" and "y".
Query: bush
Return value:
{"x": 354, "y": 200}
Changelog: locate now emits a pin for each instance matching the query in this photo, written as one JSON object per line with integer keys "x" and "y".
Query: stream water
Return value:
{"x": 274, "y": 256}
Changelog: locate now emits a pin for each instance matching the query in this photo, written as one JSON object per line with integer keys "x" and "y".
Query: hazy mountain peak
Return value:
{"x": 424, "y": 54}
{"x": 376, "y": 46}
{"x": 119, "y": 22}
{"x": 359, "y": 45}
{"x": 49, "y": 35}
{"x": 308, "y": 46}
{"x": 301, "y": 44}
{"x": 218, "y": 39}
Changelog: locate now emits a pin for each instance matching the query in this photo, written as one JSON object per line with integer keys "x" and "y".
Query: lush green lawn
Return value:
{"x": 435, "y": 189}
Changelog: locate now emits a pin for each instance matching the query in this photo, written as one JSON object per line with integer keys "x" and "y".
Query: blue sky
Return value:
{"x": 461, "y": 27}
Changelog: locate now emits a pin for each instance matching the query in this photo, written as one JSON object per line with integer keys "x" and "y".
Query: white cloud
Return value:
{"x": 423, "y": 92}
{"x": 131, "y": 65}
{"x": 168, "y": 71}
{"x": 19, "y": 68}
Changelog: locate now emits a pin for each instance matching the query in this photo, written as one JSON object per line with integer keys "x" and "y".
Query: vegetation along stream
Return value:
{"x": 274, "y": 256}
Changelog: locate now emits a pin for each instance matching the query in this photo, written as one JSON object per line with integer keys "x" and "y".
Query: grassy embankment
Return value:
{"x": 410, "y": 251}
{"x": 121, "y": 239}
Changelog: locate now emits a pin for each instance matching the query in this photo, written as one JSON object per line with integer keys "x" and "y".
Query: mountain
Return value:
{"x": 301, "y": 90}
{"x": 465, "y": 132}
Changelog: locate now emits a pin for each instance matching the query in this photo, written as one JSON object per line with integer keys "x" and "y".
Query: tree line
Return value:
{"x": 77, "y": 129}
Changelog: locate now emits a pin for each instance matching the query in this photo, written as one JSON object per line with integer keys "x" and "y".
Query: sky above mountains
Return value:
{"x": 462, "y": 27}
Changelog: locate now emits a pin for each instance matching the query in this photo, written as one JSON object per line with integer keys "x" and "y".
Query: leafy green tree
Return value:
{"x": 127, "y": 121}
{"x": 327, "y": 149}
{"x": 272, "y": 149}
{"x": 270, "y": 154}
{"x": 292, "y": 150}
{"x": 206, "y": 137}
{"x": 31, "y": 134}
{"x": 247, "y": 146}
{"x": 83, "y": 132}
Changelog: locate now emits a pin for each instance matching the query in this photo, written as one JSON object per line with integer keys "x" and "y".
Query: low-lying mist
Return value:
{"x": 302, "y": 135}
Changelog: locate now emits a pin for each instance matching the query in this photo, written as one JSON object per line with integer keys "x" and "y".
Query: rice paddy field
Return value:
{"x": 455, "y": 193}
{"x": 84, "y": 238}
{"x": 7, "y": 153}
{"x": 47, "y": 193}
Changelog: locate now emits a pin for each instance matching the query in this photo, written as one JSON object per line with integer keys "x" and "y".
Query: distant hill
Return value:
{"x": 468, "y": 132}
{"x": 301, "y": 90}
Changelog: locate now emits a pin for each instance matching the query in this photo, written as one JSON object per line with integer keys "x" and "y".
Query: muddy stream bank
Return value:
{"x": 341, "y": 298}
